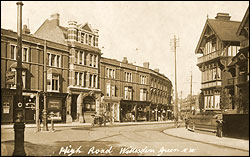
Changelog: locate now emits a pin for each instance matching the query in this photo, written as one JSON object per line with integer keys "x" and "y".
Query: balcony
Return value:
{"x": 209, "y": 56}
{"x": 242, "y": 79}
{"x": 211, "y": 84}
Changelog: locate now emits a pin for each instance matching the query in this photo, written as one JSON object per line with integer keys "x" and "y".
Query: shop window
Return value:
{"x": 89, "y": 104}
{"x": 55, "y": 109}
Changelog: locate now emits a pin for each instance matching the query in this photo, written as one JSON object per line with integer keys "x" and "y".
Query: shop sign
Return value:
{"x": 10, "y": 77}
{"x": 6, "y": 107}
{"x": 54, "y": 104}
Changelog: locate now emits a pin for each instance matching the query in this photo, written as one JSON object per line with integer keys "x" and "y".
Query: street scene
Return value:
{"x": 125, "y": 140}
{"x": 124, "y": 78}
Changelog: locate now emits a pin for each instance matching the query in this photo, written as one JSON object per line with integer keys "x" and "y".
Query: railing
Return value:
{"x": 211, "y": 84}
{"x": 209, "y": 56}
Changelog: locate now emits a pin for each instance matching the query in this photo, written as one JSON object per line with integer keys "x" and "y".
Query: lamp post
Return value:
{"x": 19, "y": 110}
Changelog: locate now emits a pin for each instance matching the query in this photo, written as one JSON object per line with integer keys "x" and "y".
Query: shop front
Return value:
{"x": 82, "y": 104}
{"x": 55, "y": 109}
{"x": 7, "y": 98}
{"x": 132, "y": 111}
{"x": 111, "y": 109}
{"x": 30, "y": 100}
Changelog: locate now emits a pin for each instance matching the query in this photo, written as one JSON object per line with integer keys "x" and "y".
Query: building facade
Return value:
{"x": 84, "y": 93}
{"x": 218, "y": 43}
{"x": 133, "y": 93}
{"x": 237, "y": 87}
{"x": 36, "y": 66}
{"x": 64, "y": 71}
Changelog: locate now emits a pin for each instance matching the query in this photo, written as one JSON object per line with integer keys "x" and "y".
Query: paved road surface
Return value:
{"x": 133, "y": 140}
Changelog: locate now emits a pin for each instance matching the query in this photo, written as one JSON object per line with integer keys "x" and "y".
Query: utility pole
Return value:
{"x": 19, "y": 110}
{"x": 175, "y": 43}
{"x": 191, "y": 92}
{"x": 45, "y": 116}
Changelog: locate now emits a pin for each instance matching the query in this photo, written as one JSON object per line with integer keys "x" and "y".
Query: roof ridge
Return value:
{"x": 224, "y": 20}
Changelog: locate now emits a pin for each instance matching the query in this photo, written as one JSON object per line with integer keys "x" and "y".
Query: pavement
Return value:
{"x": 181, "y": 132}
{"x": 208, "y": 138}
{"x": 73, "y": 124}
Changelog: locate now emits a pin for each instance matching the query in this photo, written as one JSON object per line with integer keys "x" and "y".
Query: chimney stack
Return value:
{"x": 157, "y": 70}
{"x": 26, "y": 30}
{"x": 146, "y": 65}
{"x": 125, "y": 60}
{"x": 223, "y": 16}
{"x": 55, "y": 18}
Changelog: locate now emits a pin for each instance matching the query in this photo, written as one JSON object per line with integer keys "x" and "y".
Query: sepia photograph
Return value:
{"x": 124, "y": 78}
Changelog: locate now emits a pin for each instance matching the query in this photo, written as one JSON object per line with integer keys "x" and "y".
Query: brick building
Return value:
{"x": 133, "y": 93}
{"x": 63, "y": 66}
{"x": 33, "y": 75}
{"x": 84, "y": 94}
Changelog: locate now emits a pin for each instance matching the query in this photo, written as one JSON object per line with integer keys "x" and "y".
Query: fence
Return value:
{"x": 236, "y": 125}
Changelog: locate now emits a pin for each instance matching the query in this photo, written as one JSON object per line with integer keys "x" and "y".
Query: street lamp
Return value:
{"x": 19, "y": 109}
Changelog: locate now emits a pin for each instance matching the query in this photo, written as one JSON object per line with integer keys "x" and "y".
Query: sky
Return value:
{"x": 138, "y": 30}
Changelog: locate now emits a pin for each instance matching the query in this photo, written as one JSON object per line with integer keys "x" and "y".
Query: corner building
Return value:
{"x": 133, "y": 93}
{"x": 83, "y": 90}
{"x": 218, "y": 44}
{"x": 34, "y": 63}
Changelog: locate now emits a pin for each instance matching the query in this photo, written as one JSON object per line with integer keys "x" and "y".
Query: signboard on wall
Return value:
{"x": 10, "y": 77}
{"x": 6, "y": 107}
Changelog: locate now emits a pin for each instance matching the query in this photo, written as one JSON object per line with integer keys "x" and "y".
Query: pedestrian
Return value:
{"x": 219, "y": 126}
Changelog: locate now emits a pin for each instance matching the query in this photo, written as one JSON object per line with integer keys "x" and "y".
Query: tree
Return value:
{"x": 225, "y": 99}
{"x": 201, "y": 101}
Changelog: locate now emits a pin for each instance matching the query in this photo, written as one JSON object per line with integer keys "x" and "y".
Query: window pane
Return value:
{"x": 58, "y": 61}
{"x": 12, "y": 52}
{"x": 53, "y": 59}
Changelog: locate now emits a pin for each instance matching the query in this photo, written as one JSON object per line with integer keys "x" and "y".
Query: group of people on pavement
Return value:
{"x": 219, "y": 125}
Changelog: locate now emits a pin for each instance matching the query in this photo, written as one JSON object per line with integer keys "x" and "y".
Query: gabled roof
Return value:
{"x": 50, "y": 31}
{"x": 224, "y": 30}
{"x": 86, "y": 27}
{"x": 244, "y": 21}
